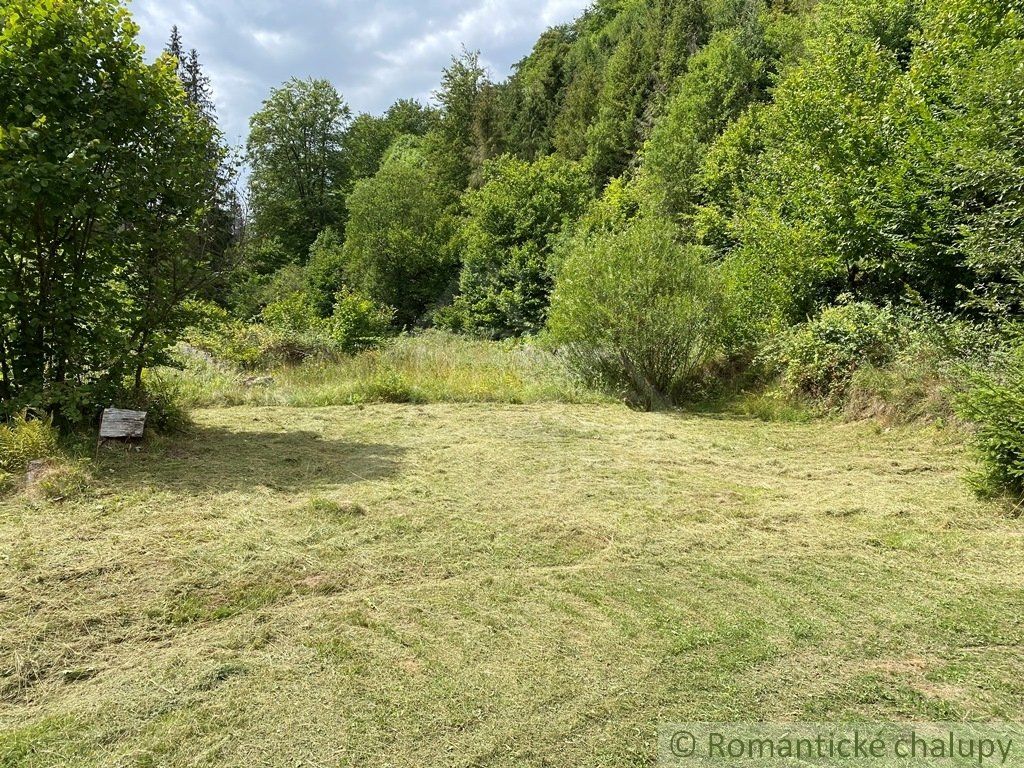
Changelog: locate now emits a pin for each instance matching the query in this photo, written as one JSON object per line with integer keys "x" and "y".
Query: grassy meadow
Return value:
{"x": 495, "y": 585}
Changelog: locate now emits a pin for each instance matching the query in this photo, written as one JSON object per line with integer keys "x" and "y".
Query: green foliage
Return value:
{"x": 107, "y": 179}
{"x": 293, "y": 313}
{"x": 819, "y": 358}
{"x": 804, "y": 151}
{"x": 358, "y": 322}
{"x": 325, "y": 271}
{"x": 638, "y": 312}
{"x": 251, "y": 285}
{"x": 299, "y": 169}
{"x": 994, "y": 403}
{"x": 620, "y": 203}
{"x": 931, "y": 350}
{"x": 162, "y": 399}
{"x": 24, "y": 439}
{"x": 888, "y": 164}
{"x": 454, "y": 146}
{"x": 397, "y": 247}
{"x": 368, "y": 138}
{"x": 534, "y": 96}
{"x": 427, "y": 367}
{"x": 246, "y": 345}
{"x": 512, "y": 223}
{"x": 293, "y": 330}
{"x": 973, "y": 66}
{"x": 728, "y": 74}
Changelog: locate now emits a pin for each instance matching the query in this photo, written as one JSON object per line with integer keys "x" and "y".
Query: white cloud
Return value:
{"x": 374, "y": 51}
{"x": 274, "y": 43}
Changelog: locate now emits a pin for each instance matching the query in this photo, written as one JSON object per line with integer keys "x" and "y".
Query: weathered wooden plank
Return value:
{"x": 117, "y": 422}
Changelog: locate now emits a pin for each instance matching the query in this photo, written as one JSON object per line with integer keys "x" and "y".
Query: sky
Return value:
{"x": 374, "y": 51}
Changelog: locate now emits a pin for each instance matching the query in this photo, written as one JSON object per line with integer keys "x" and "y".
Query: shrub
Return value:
{"x": 818, "y": 358}
{"x": 294, "y": 331}
{"x": 637, "y": 312}
{"x": 358, "y": 322}
{"x": 292, "y": 313}
{"x": 930, "y": 352}
{"x": 163, "y": 400}
{"x": 24, "y": 439}
{"x": 994, "y": 403}
{"x": 244, "y": 345}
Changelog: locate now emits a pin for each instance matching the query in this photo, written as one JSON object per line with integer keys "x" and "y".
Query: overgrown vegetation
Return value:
{"x": 995, "y": 404}
{"x": 23, "y": 440}
{"x": 797, "y": 211}
{"x": 431, "y": 367}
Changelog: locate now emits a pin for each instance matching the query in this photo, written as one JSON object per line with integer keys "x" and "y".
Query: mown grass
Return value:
{"x": 432, "y": 367}
{"x": 481, "y": 585}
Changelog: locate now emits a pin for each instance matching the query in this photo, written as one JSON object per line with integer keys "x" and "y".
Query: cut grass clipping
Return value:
{"x": 483, "y": 585}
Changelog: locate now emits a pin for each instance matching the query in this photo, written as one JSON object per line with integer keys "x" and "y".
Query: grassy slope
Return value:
{"x": 483, "y": 585}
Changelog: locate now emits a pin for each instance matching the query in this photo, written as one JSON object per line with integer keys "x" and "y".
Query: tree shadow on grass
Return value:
{"x": 217, "y": 459}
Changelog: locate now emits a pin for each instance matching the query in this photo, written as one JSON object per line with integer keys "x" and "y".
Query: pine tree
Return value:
{"x": 197, "y": 86}
{"x": 190, "y": 72}
{"x": 176, "y": 49}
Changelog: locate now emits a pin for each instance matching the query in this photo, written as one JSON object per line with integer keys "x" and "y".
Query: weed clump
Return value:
{"x": 24, "y": 439}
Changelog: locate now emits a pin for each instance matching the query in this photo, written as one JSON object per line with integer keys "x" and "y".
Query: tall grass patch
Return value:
{"x": 433, "y": 366}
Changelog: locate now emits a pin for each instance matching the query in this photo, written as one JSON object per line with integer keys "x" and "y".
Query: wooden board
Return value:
{"x": 124, "y": 424}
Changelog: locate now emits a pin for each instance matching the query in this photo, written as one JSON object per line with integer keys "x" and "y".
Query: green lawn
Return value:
{"x": 482, "y": 585}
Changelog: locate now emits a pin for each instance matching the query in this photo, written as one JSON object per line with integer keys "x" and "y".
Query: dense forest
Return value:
{"x": 682, "y": 198}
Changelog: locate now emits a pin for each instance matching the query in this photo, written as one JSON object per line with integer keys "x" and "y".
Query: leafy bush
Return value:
{"x": 24, "y": 439}
{"x": 163, "y": 401}
{"x": 293, "y": 313}
{"x": 994, "y": 403}
{"x": 818, "y": 358}
{"x": 931, "y": 349}
{"x": 292, "y": 331}
{"x": 358, "y": 322}
{"x": 245, "y": 345}
{"x": 637, "y": 312}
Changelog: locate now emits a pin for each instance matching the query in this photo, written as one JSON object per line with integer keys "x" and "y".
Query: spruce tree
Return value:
{"x": 197, "y": 86}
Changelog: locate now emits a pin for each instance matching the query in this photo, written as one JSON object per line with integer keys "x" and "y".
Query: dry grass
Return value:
{"x": 474, "y": 585}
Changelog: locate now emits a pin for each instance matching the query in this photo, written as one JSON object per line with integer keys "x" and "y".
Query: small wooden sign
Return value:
{"x": 118, "y": 423}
